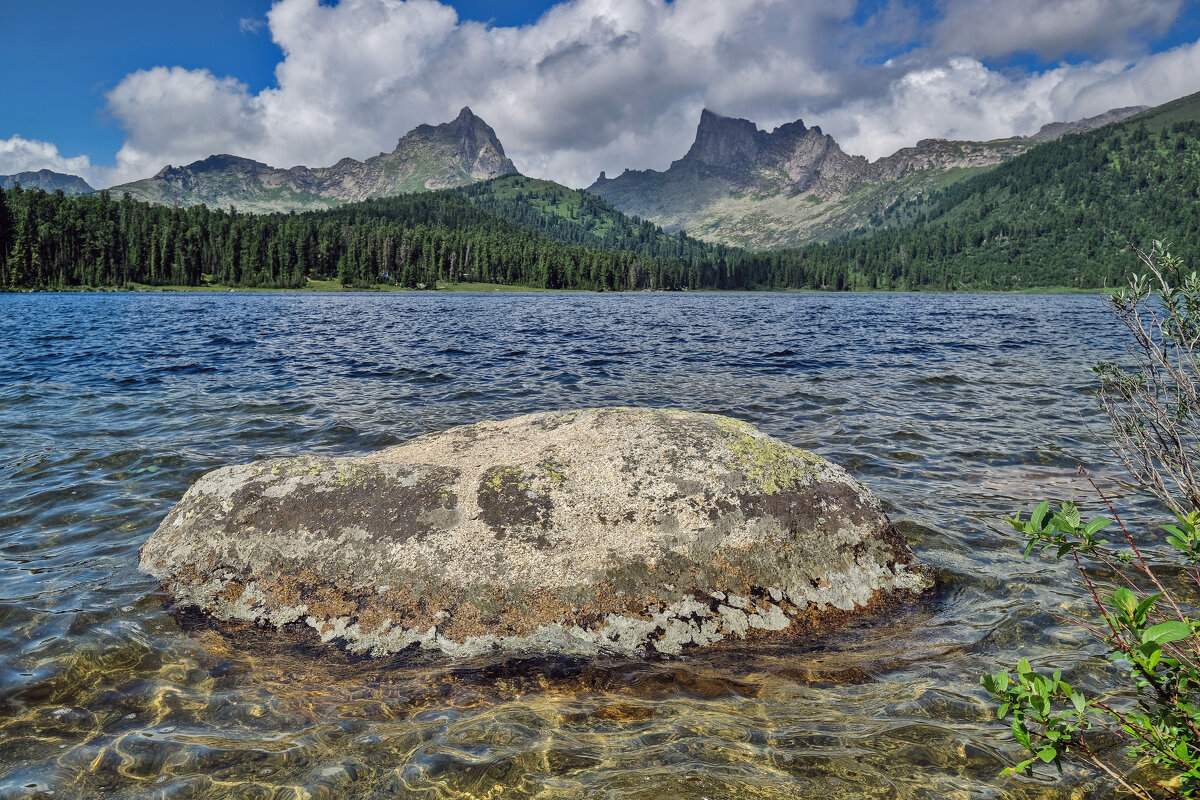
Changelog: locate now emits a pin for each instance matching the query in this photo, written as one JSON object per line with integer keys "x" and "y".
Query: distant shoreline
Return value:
{"x": 335, "y": 287}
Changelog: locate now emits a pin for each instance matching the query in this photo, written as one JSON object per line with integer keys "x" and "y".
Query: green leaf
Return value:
{"x": 1039, "y": 514}
{"x": 1079, "y": 701}
{"x": 1021, "y": 734}
{"x": 1047, "y": 754}
{"x": 1023, "y": 667}
{"x": 1167, "y": 632}
{"x": 1139, "y": 613}
{"x": 1149, "y": 649}
{"x": 1097, "y": 525}
{"x": 1124, "y": 600}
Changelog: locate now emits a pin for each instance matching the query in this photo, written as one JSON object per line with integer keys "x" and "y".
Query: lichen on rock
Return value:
{"x": 606, "y": 530}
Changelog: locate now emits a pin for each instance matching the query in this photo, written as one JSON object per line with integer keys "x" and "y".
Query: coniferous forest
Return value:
{"x": 1062, "y": 215}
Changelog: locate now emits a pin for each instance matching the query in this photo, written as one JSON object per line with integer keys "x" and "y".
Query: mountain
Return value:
{"x": 743, "y": 186}
{"x": 1063, "y": 214}
{"x": 1056, "y": 130}
{"x": 47, "y": 181}
{"x": 428, "y": 157}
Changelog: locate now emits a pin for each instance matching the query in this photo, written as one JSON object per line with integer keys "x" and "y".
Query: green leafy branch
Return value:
{"x": 1158, "y": 648}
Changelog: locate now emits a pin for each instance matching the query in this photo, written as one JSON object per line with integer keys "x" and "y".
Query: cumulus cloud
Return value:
{"x": 963, "y": 99}
{"x": 607, "y": 84}
{"x": 983, "y": 29}
{"x": 172, "y": 115}
{"x": 27, "y": 155}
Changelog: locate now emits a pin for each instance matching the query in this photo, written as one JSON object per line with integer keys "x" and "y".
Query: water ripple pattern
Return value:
{"x": 954, "y": 409}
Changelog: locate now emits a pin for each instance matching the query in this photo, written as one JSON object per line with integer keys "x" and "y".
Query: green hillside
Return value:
{"x": 579, "y": 218}
{"x": 1185, "y": 109}
{"x": 1060, "y": 215}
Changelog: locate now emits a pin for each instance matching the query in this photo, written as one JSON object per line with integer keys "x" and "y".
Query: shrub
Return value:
{"x": 1153, "y": 411}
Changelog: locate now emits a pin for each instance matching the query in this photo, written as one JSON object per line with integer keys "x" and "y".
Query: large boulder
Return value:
{"x": 619, "y": 530}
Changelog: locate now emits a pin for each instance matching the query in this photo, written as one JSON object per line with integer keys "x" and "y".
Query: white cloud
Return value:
{"x": 982, "y": 28}
{"x": 609, "y": 84}
{"x": 963, "y": 99}
{"x": 170, "y": 115}
{"x": 27, "y": 155}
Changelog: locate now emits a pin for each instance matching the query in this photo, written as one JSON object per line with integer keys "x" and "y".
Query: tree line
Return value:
{"x": 55, "y": 241}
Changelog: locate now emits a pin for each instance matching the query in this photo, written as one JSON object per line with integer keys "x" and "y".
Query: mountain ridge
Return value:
{"x": 428, "y": 157}
{"x": 743, "y": 186}
{"x": 48, "y": 181}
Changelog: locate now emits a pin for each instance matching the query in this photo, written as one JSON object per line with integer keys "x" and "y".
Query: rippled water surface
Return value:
{"x": 954, "y": 409}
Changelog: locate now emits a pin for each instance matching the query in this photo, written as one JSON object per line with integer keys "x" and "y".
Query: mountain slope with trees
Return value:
{"x": 1059, "y": 215}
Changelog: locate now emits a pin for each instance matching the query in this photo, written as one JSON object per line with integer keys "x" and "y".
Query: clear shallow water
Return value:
{"x": 956, "y": 410}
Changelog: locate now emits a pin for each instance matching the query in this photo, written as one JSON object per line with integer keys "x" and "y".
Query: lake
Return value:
{"x": 954, "y": 409}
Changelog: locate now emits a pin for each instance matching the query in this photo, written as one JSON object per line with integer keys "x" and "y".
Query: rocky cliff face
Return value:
{"x": 47, "y": 181}
{"x": 791, "y": 158}
{"x": 744, "y": 186}
{"x": 455, "y": 153}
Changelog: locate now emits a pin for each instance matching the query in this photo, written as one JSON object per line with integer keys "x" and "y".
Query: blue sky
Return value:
{"x": 115, "y": 90}
{"x": 69, "y": 53}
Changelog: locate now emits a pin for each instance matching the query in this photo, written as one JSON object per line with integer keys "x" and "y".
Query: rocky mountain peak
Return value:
{"x": 47, "y": 181}
{"x": 473, "y": 142}
{"x": 721, "y": 141}
{"x": 453, "y": 153}
{"x": 793, "y": 130}
{"x": 224, "y": 161}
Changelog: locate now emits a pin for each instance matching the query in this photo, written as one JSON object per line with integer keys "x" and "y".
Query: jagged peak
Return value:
{"x": 223, "y": 161}
{"x": 720, "y": 139}
{"x": 796, "y": 129}
{"x": 707, "y": 114}
{"x": 467, "y": 122}
{"x": 710, "y": 119}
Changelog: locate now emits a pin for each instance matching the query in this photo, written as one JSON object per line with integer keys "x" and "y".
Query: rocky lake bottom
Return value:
{"x": 956, "y": 410}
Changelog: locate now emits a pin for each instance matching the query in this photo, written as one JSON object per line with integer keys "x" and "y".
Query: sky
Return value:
{"x": 114, "y": 91}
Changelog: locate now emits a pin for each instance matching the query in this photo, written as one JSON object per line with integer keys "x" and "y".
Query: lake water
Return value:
{"x": 955, "y": 410}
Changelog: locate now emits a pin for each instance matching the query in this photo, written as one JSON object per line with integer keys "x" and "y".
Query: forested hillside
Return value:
{"x": 576, "y": 217}
{"x": 52, "y": 241}
{"x": 1059, "y": 215}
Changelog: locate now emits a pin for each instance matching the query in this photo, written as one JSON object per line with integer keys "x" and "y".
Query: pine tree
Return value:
{"x": 6, "y": 234}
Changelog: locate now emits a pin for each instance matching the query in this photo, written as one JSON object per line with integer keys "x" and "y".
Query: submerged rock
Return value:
{"x": 620, "y": 530}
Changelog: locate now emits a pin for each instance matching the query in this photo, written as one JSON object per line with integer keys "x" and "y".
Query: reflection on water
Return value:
{"x": 954, "y": 409}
